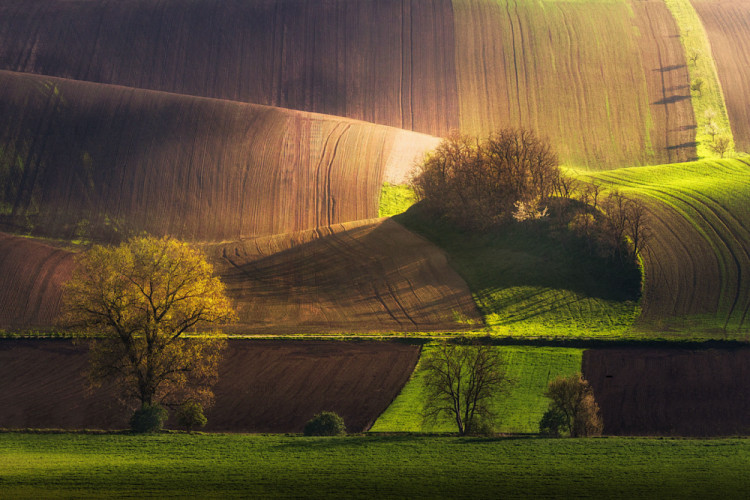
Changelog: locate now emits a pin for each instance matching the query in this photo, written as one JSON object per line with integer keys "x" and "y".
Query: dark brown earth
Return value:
{"x": 671, "y": 391}
{"x": 312, "y": 55}
{"x": 110, "y": 160}
{"x": 264, "y": 386}
{"x": 31, "y": 276}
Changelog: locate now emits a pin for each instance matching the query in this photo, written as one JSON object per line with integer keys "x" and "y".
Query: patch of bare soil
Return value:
{"x": 671, "y": 392}
{"x": 264, "y": 386}
{"x": 31, "y": 276}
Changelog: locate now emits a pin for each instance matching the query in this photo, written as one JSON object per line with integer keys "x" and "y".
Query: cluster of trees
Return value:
{"x": 513, "y": 175}
{"x": 462, "y": 381}
{"x": 476, "y": 184}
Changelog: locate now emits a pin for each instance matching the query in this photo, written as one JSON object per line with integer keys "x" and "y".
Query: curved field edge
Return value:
{"x": 428, "y": 66}
{"x": 84, "y": 160}
{"x": 709, "y": 104}
{"x": 697, "y": 262}
{"x": 529, "y": 370}
{"x": 361, "y": 277}
{"x": 229, "y": 466}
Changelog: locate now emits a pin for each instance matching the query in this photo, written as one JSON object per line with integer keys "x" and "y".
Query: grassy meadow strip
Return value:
{"x": 698, "y": 258}
{"x": 221, "y": 466}
{"x": 709, "y": 104}
{"x": 529, "y": 370}
{"x": 395, "y": 199}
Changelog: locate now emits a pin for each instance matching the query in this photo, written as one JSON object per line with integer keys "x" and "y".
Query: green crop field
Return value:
{"x": 220, "y": 466}
{"x": 519, "y": 410}
{"x": 698, "y": 260}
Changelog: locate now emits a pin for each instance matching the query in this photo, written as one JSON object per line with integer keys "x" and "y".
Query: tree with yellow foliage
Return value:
{"x": 138, "y": 300}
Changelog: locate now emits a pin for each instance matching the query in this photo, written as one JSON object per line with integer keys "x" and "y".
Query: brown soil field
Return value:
{"x": 577, "y": 72}
{"x": 605, "y": 83}
{"x": 102, "y": 159}
{"x": 673, "y": 121}
{"x": 31, "y": 274}
{"x": 355, "y": 277}
{"x": 671, "y": 391}
{"x": 312, "y": 55}
{"x": 727, "y": 24}
{"x": 264, "y": 386}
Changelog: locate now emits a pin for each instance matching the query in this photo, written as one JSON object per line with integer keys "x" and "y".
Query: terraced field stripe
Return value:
{"x": 711, "y": 99}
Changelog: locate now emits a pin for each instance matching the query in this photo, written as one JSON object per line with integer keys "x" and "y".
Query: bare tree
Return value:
{"x": 694, "y": 56}
{"x": 712, "y": 129}
{"x": 721, "y": 145}
{"x": 476, "y": 184}
{"x": 461, "y": 382}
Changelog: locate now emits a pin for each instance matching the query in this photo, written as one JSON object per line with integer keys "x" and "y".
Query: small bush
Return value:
{"x": 552, "y": 421}
{"x": 190, "y": 415}
{"x": 325, "y": 424}
{"x": 148, "y": 418}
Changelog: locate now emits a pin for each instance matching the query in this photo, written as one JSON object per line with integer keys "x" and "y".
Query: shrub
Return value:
{"x": 552, "y": 421}
{"x": 148, "y": 418}
{"x": 190, "y": 415}
{"x": 325, "y": 423}
{"x": 573, "y": 398}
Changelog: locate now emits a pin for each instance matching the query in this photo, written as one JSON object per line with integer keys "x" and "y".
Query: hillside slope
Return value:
{"x": 606, "y": 81}
{"x": 96, "y": 160}
{"x": 727, "y": 25}
{"x": 698, "y": 259}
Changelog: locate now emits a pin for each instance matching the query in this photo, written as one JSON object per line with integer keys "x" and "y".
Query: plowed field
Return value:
{"x": 263, "y": 386}
{"x": 698, "y": 260}
{"x": 587, "y": 74}
{"x": 671, "y": 392}
{"x": 389, "y": 62}
{"x": 604, "y": 80}
{"x": 727, "y": 24}
{"x": 78, "y": 156}
{"x": 362, "y": 276}
{"x": 30, "y": 277}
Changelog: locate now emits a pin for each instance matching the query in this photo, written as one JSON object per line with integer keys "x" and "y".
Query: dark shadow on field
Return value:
{"x": 671, "y": 99}
{"x": 375, "y": 276}
{"x": 672, "y": 67}
{"x": 691, "y": 144}
{"x": 539, "y": 255}
{"x": 684, "y": 128}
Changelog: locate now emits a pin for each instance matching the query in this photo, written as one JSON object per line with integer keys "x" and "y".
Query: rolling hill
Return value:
{"x": 606, "y": 81}
{"x": 106, "y": 161}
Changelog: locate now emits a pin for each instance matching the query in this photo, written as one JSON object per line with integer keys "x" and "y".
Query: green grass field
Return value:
{"x": 519, "y": 410}
{"x": 395, "y": 199}
{"x": 527, "y": 283}
{"x": 220, "y": 466}
{"x": 699, "y": 254}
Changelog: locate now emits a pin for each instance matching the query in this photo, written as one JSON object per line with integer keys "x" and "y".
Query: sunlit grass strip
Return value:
{"x": 395, "y": 199}
{"x": 530, "y": 369}
{"x": 695, "y": 41}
